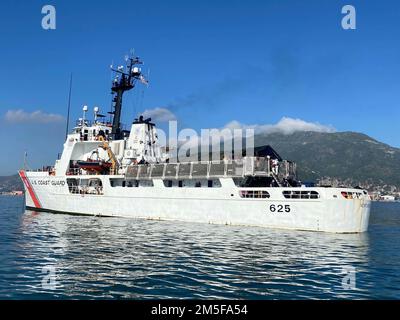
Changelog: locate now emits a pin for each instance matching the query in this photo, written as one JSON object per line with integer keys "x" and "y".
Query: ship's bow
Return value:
{"x": 31, "y": 200}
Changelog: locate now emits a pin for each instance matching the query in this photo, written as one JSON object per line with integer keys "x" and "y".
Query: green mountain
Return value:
{"x": 347, "y": 156}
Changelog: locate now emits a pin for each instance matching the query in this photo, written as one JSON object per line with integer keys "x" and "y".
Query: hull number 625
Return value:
{"x": 279, "y": 208}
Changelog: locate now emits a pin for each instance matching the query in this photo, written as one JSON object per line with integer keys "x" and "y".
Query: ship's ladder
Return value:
{"x": 276, "y": 179}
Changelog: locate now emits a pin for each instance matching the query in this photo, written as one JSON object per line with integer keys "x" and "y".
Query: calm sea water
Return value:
{"x": 46, "y": 256}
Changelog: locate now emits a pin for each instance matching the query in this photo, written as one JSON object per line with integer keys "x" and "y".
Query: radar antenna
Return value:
{"x": 125, "y": 79}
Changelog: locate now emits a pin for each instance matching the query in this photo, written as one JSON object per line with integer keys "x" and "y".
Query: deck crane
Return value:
{"x": 111, "y": 155}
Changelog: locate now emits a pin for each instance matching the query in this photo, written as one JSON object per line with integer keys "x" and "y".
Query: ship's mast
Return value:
{"x": 124, "y": 80}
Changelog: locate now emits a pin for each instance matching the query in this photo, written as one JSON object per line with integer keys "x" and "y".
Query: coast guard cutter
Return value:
{"x": 107, "y": 171}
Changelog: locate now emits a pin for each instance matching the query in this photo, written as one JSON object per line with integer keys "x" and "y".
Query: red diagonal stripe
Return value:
{"x": 30, "y": 189}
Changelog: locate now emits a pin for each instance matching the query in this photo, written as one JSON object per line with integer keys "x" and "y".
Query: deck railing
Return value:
{"x": 248, "y": 166}
{"x": 48, "y": 169}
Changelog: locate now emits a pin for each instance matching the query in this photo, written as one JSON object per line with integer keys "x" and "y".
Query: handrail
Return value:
{"x": 248, "y": 166}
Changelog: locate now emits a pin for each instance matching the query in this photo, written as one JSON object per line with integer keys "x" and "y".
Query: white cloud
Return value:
{"x": 159, "y": 114}
{"x": 285, "y": 125}
{"x": 21, "y": 116}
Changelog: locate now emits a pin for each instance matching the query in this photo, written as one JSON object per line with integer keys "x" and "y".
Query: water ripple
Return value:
{"x": 139, "y": 259}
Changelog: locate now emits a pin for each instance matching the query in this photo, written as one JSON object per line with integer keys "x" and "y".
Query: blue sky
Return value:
{"x": 211, "y": 62}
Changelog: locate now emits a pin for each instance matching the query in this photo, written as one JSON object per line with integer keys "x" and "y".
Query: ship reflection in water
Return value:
{"x": 125, "y": 258}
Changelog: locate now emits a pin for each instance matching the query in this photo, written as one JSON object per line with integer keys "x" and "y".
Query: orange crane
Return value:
{"x": 113, "y": 159}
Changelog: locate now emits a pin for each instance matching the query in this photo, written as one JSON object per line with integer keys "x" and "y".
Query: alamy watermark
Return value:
{"x": 349, "y": 278}
{"x": 349, "y": 20}
{"x": 49, "y": 281}
{"x": 187, "y": 146}
{"x": 49, "y": 20}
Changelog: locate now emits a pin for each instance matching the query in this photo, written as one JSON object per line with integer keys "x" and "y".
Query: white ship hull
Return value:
{"x": 331, "y": 212}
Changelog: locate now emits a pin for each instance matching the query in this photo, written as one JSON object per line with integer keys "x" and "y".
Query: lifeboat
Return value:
{"x": 94, "y": 165}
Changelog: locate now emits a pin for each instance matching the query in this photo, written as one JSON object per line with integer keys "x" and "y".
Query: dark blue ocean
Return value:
{"x": 54, "y": 256}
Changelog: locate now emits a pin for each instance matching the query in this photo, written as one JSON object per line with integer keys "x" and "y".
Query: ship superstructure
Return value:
{"x": 107, "y": 171}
